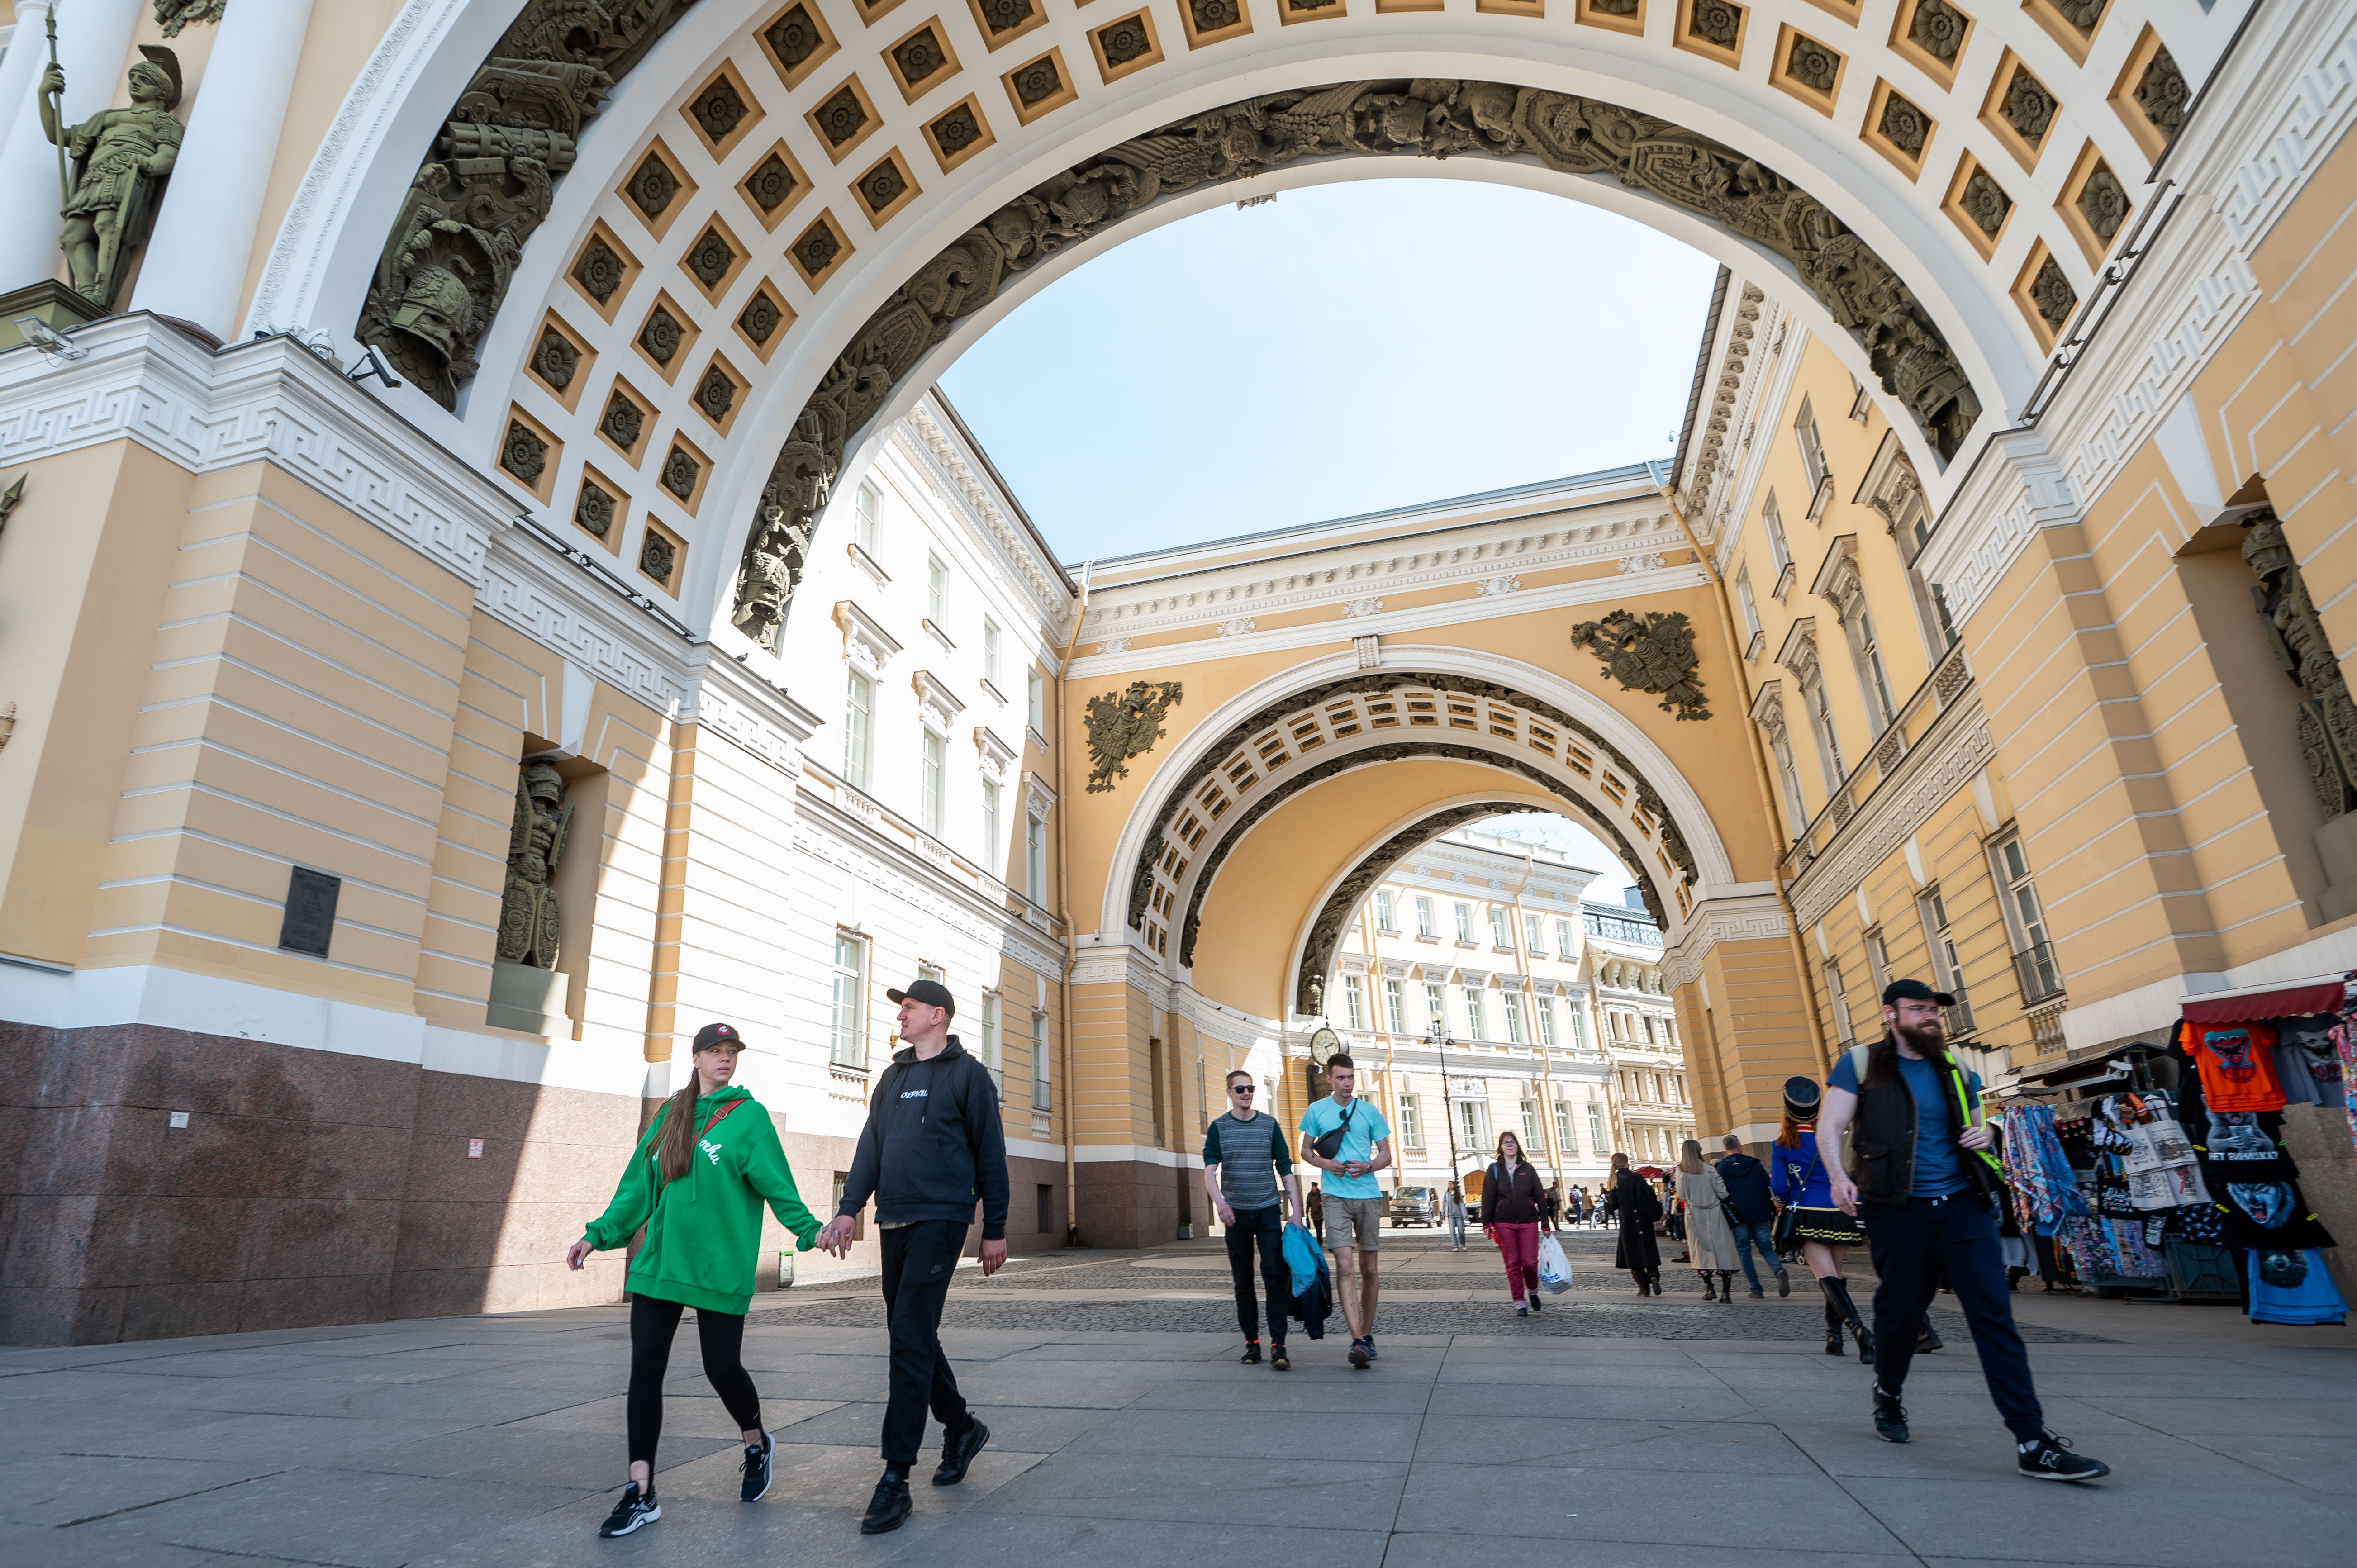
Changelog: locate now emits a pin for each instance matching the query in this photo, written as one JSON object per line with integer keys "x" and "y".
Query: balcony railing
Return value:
{"x": 2042, "y": 978}
{"x": 1906, "y": 734}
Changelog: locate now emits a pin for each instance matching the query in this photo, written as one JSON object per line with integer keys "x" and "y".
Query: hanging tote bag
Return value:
{"x": 1555, "y": 1269}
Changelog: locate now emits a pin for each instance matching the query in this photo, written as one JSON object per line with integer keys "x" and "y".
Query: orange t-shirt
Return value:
{"x": 2236, "y": 1063}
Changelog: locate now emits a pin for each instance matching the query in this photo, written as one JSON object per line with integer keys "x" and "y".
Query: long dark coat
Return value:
{"x": 1626, "y": 1202}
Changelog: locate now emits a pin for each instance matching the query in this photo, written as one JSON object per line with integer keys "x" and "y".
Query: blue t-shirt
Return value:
{"x": 1367, "y": 1128}
{"x": 1939, "y": 1168}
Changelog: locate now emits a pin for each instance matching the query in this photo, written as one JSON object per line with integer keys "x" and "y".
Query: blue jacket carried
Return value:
{"x": 1748, "y": 1202}
{"x": 1313, "y": 1290}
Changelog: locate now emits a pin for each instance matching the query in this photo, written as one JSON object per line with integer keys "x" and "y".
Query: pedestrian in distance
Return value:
{"x": 1244, "y": 1164}
{"x": 1708, "y": 1236}
{"x": 1750, "y": 1212}
{"x": 1554, "y": 1205}
{"x": 1512, "y": 1204}
{"x": 1454, "y": 1207}
{"x": 933, "y": 1146}
{"x": 1630, "y": 1200}
{"x": 1350, "y": 1141}
{"x": 1317, "y": 1213}
{"x": 697, "y": 1182}
{"x": 1922, "y": 1189}
{"x": 1802, "y": 1181}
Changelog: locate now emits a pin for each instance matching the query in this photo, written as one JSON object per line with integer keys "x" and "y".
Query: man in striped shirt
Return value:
{"x": 1243, "y": 1161}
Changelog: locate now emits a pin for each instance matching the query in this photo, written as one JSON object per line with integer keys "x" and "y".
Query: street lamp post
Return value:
{"x": 1438, "y": 1037}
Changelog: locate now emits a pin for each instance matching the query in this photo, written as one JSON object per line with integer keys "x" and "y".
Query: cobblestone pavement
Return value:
{"x": 1123, "y": 1430}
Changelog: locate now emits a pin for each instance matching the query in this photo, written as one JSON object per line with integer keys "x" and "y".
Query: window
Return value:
{"x": 1812, "y": 448}
{"x": 1660, "y": 1098}
{"x": 990, "y": 650}
{"x": 1435, "y": 1009}
{"x": 1471, "y": 1118}
{"x": 1947, "y": 970}
{"x": 1534, "y": 934}
{"x": 1669, "y": 1032}
{"x": 1648, "y": 1021}
{"x": 1386, "y": 915}
{"x": 1877, "y": 961}
{"x": 1515, "y": 1017}
{"x": 1464, "y": 922}
{"x": 1395, "y": 1007}
{"x": 1410, "y": 1114}
{"x": 1543, "y": 1007}
{"x": 1595, "y": 1127}
{"x": 859, "y": 700}
{"x": 1563, "y": 1137}
{"x": 1497, "y": 938}
{"x": 1034, "y": 859}
{"x": 937, "y": 590}
{"x": 1354, "y": 1000}
{"x": 928, "y": 805}
{"x": 1872, "y": 678}
{"x": 990, "y": 1040}
{"x": 1530, "y": 1126}
{"x": 1841, "y": 1004}
{"x": 848, "y": 1044}
{"x": 1788, "y": 772}
{"x": 2025, "y": 919}
{"x": 1821, "y": 725}
{"x": 990, "y": 826}
{"x": 1578, "y": 1026}
{"x": 1753, "y": 630}
{"x": 867, "y": 505}
{"x": 1035, "y": 698}
{"x": 1774, "y": 521}
{"x": 1424, "y": 917}
{"x": 1475, "y": 1026}
{"x": 1040, "y": 1097}
{"x": 1562, "y": 940}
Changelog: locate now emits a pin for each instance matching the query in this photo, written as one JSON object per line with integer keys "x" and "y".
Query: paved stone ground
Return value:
{"x": 1646, "y": 1434}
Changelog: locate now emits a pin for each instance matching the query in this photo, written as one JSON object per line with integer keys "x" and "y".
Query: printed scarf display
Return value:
{"x": 2040, "y": 1173}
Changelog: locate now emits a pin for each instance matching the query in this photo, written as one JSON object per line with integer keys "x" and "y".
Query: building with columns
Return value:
{"x": 485, "y": 587}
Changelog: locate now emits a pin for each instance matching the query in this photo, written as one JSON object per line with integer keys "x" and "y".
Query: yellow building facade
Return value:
{"x": 506, "y": 593}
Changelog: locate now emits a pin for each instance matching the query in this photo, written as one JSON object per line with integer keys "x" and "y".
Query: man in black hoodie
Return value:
{"x": 933, "y": 1146}
{"x": 1752, "y": 1213}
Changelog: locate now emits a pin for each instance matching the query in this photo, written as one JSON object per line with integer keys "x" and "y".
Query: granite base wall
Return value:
{"x": 313, "y": 1188}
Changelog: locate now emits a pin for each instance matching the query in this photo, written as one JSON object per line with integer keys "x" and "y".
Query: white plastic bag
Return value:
{"x": 1555, "y": 1269}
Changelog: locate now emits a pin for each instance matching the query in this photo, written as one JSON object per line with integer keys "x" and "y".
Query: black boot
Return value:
{"x": 1726, "y": 1286}
{"x": 1833, "y": 1331}
{"x": 1837, "y": 1291}
{"x": 1707, "y": 1292}
{"x": 1639, "y": 1275}
{"x": 1928, "y": 1337}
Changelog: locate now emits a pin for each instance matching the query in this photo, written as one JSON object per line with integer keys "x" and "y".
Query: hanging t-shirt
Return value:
{"x": 2305, "y": 1065}
{"x": 2233, "y": 1060}
{"x": 2293, "y": 1287}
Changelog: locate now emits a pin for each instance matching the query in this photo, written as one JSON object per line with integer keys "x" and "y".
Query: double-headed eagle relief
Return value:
{"x": 1123, "y": 724}
{"x": 1652, "y": 651}
{"x": 1436, "y": 118}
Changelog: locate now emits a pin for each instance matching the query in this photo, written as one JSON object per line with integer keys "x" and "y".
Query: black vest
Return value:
{"x": 1882, "y": 1141}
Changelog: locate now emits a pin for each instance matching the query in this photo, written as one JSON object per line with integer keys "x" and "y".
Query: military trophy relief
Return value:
{"x": 527, "y": 991}
{"x": 173, "y": 16}
{"x": 120, "y": 160}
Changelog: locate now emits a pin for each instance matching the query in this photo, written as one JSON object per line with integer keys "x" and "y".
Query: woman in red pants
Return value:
{"x": 1513, "y": 1206}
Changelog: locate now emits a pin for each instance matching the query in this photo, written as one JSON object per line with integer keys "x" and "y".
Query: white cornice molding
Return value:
{"x": 1738, "y": 352}
{"x": 265, "y": 399}
{"x": 729, "y": 699}
{"x": 2017, "y": 488}
{"x": 941, "y": 456}
{"x": 939, "y": 706}
{"x": 826, "y": 834}
{"x": 865, "y": 644}
{"x": 995, "y": 753}
{"x": 549, "y": 599}
{"x": 1755, "y": 918}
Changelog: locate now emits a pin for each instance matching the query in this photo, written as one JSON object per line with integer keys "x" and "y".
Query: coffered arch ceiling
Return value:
{"x": 829, "y": 198}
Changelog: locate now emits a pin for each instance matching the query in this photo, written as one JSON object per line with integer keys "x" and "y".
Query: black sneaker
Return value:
{"x": 1278, "y": 1361}
{"x": 1522, "y": 1309}
{"x": 2050, "y": 1459}
{"x": 957, "y": 1449}
{"x": 1535, "y": 1303}
{"x": 1369, "y": 1341}
{"x": 1889, "y": 1417}
{"x": 1358, "y": 1357}
{"x": 635, "y": 1508}
{"x": 1928, "y": 1338}
{"x": 1783, "y": 1282}
{"x": 755, "y": 1485}
{"x": 889, "y": 1509}
{"x": 1251, "y": 1356}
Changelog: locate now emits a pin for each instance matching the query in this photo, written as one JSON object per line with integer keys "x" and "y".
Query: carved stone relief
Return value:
{"x": 487, "y": 183}
{"x": 1428, "y": 118}
{"x": 1123, "y": 724}
{"x": 122, "y": 159}
{"x": 1326, "y": 931}
{"x": 1651, "y": 652}
{"x": 2162, "y": 94}
{"x": 535, "y": 845}
{"x": 2327, "y": 719}
{"x": 173, "y": 16}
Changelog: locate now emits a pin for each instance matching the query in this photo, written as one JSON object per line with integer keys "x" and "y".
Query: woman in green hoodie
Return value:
{"x": 697, "y": 1182}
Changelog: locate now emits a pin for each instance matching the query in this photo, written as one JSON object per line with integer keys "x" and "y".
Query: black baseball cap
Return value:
{"x": 932, "y": 992}
{"x": 1914, "y": 990}
{"x": 712, "y": 1035}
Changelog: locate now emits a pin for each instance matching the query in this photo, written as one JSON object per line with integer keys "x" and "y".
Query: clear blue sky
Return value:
{"x": 1344, "y": 348}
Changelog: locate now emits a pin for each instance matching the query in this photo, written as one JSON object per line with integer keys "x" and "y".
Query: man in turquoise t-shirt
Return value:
{"x": 1354, "y": 1199}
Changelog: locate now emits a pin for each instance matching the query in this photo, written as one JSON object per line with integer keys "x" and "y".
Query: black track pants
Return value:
{"x": 722, "y": 1338}
{"x": 1262, "y": 1228}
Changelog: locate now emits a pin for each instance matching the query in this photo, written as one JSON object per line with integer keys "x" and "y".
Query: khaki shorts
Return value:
{"x": 1355, "y": 1222}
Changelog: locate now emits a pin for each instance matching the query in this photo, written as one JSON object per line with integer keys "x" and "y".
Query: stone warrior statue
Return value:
{"x": 122, "y": 157}
{"x": 528, "y": 908}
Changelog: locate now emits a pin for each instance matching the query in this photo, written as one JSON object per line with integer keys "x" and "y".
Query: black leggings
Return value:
{"x": 652, "y": 1324}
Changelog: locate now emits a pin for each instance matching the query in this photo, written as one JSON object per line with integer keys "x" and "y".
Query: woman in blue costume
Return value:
{"x": 1825, "y": 1232}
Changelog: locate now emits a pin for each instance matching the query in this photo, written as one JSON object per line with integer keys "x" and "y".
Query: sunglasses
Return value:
{"x": 1241, "y": 1089}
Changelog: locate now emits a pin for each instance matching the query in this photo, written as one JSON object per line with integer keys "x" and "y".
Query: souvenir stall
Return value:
{"x": 2165, "y": 1167}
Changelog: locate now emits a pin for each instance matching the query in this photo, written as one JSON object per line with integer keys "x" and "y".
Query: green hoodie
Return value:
{"x": 703, "y": 1230}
